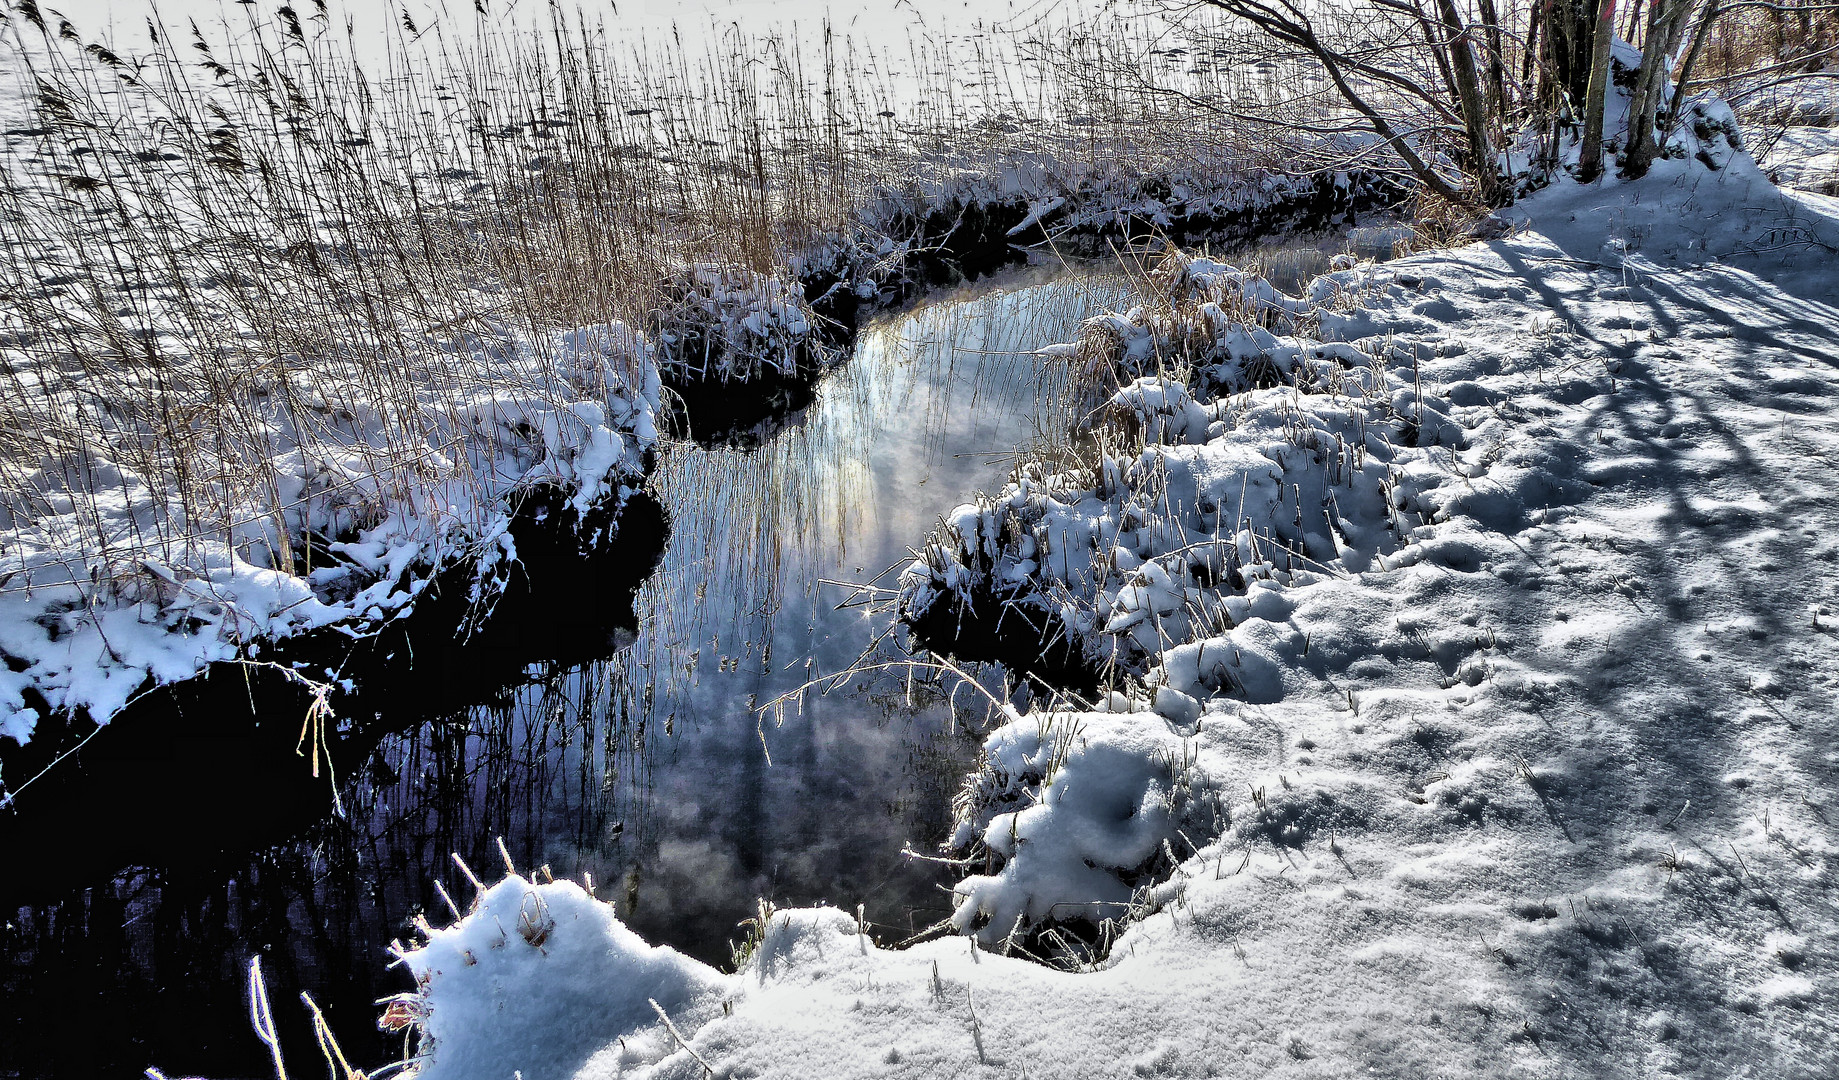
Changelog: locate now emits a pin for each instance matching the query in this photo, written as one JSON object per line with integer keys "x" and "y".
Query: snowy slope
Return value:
{"x": 1544, "y": 788}
{"x": 1804, "y": 157}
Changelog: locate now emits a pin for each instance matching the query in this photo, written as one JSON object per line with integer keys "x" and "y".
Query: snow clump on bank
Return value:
{"x": 1228, "y": 454}
{"x": 111, "y": 587}
{"x": 729, "y": 323}
{"x": 534, "y": 979}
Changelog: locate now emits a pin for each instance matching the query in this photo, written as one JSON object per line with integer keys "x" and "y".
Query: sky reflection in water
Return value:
{"x": 654, "y": 771}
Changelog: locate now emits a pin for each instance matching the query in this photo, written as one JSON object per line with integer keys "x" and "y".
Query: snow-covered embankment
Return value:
{"x": 1483, "y": 605}
{"x": 114, "y": 587}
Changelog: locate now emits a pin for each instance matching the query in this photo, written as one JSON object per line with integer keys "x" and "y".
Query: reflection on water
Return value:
{"x": 651, "y": 771}
{"x": 738, "y": 616}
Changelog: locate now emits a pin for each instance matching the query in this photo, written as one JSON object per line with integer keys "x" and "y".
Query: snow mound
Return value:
{"x": 536, "y": 978}
{"x": 1079, "y": 809}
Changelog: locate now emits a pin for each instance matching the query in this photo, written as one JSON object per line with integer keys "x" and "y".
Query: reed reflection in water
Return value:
{"x": 655, "y": 772}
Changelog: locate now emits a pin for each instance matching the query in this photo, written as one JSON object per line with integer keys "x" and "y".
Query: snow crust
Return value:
{"x": 1515, "y": 757}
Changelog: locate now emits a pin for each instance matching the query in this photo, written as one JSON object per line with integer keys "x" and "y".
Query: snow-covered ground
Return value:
{"x": 1521, "y": 762}
{"x": 1806, "y": 158}
{"x": 1791, "y": 129}
{"x": 107, "y": 594}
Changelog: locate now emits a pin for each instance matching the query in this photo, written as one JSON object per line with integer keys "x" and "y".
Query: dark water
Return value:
{"x": 652, "y": 771}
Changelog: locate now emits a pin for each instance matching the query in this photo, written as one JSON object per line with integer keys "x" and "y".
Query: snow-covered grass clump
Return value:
{"x": 300, "y": 504}
{"x": 1229, "y": 454}
{"x": 730, "y": 323}
{"x": 1085, "y": 863}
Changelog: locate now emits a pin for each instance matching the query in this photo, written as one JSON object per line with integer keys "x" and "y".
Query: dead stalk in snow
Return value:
{"x": 707, "y": 1069}
{"x": 262, "y": 1018}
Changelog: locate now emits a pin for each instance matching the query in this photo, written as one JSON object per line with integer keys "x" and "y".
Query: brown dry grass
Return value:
{"x": 222, "y": 263}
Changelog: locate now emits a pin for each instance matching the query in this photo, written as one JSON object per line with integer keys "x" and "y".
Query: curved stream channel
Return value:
{"x": 650, "y": 770}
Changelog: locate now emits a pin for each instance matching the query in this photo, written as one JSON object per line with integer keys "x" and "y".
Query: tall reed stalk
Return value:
{"x": 259, "y": 293}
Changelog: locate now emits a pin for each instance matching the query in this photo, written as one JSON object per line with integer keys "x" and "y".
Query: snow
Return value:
{"x": 1789, "y": 125}
{"x": 107, "y": 597}
{"x": 1509, "y": 753}
{"x": 526, "y": 982}
{"x": 1806, "y": 158}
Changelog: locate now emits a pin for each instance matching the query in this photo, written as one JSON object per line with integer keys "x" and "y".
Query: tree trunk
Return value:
{"x": 1482, "y": 164}
{"x": 1535, "y": 43}
{"x": 1497, "y": 61}
{"x": 1590, "y": 161}
{"x": 1634, "y": 19}
{"x": 1569, "y": 34}
{"x": 1438, "y": 53}
{"x": 1701, "y": 34}
{"x": 1666, "y": 22}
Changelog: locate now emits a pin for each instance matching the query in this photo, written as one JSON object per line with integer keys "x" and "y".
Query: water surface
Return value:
{"x": 653, "y": 773}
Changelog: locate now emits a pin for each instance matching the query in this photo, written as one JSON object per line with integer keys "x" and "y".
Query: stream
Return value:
{"x": 663, "y": 773}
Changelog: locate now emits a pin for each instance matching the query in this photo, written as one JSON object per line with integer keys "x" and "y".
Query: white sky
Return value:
{"x": 887, "y": 18}
{"x": 885, "y": 29}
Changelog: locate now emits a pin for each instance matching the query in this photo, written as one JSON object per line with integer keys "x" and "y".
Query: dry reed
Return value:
{"x": 254, "y": 292}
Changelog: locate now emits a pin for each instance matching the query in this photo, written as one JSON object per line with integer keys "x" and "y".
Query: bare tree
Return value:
{"x": 1425, "y": 85}
{"x": 1445, "y": 87}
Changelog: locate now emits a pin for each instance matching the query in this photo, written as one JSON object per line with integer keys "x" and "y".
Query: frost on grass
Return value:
{"x": 315, "y": 511}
